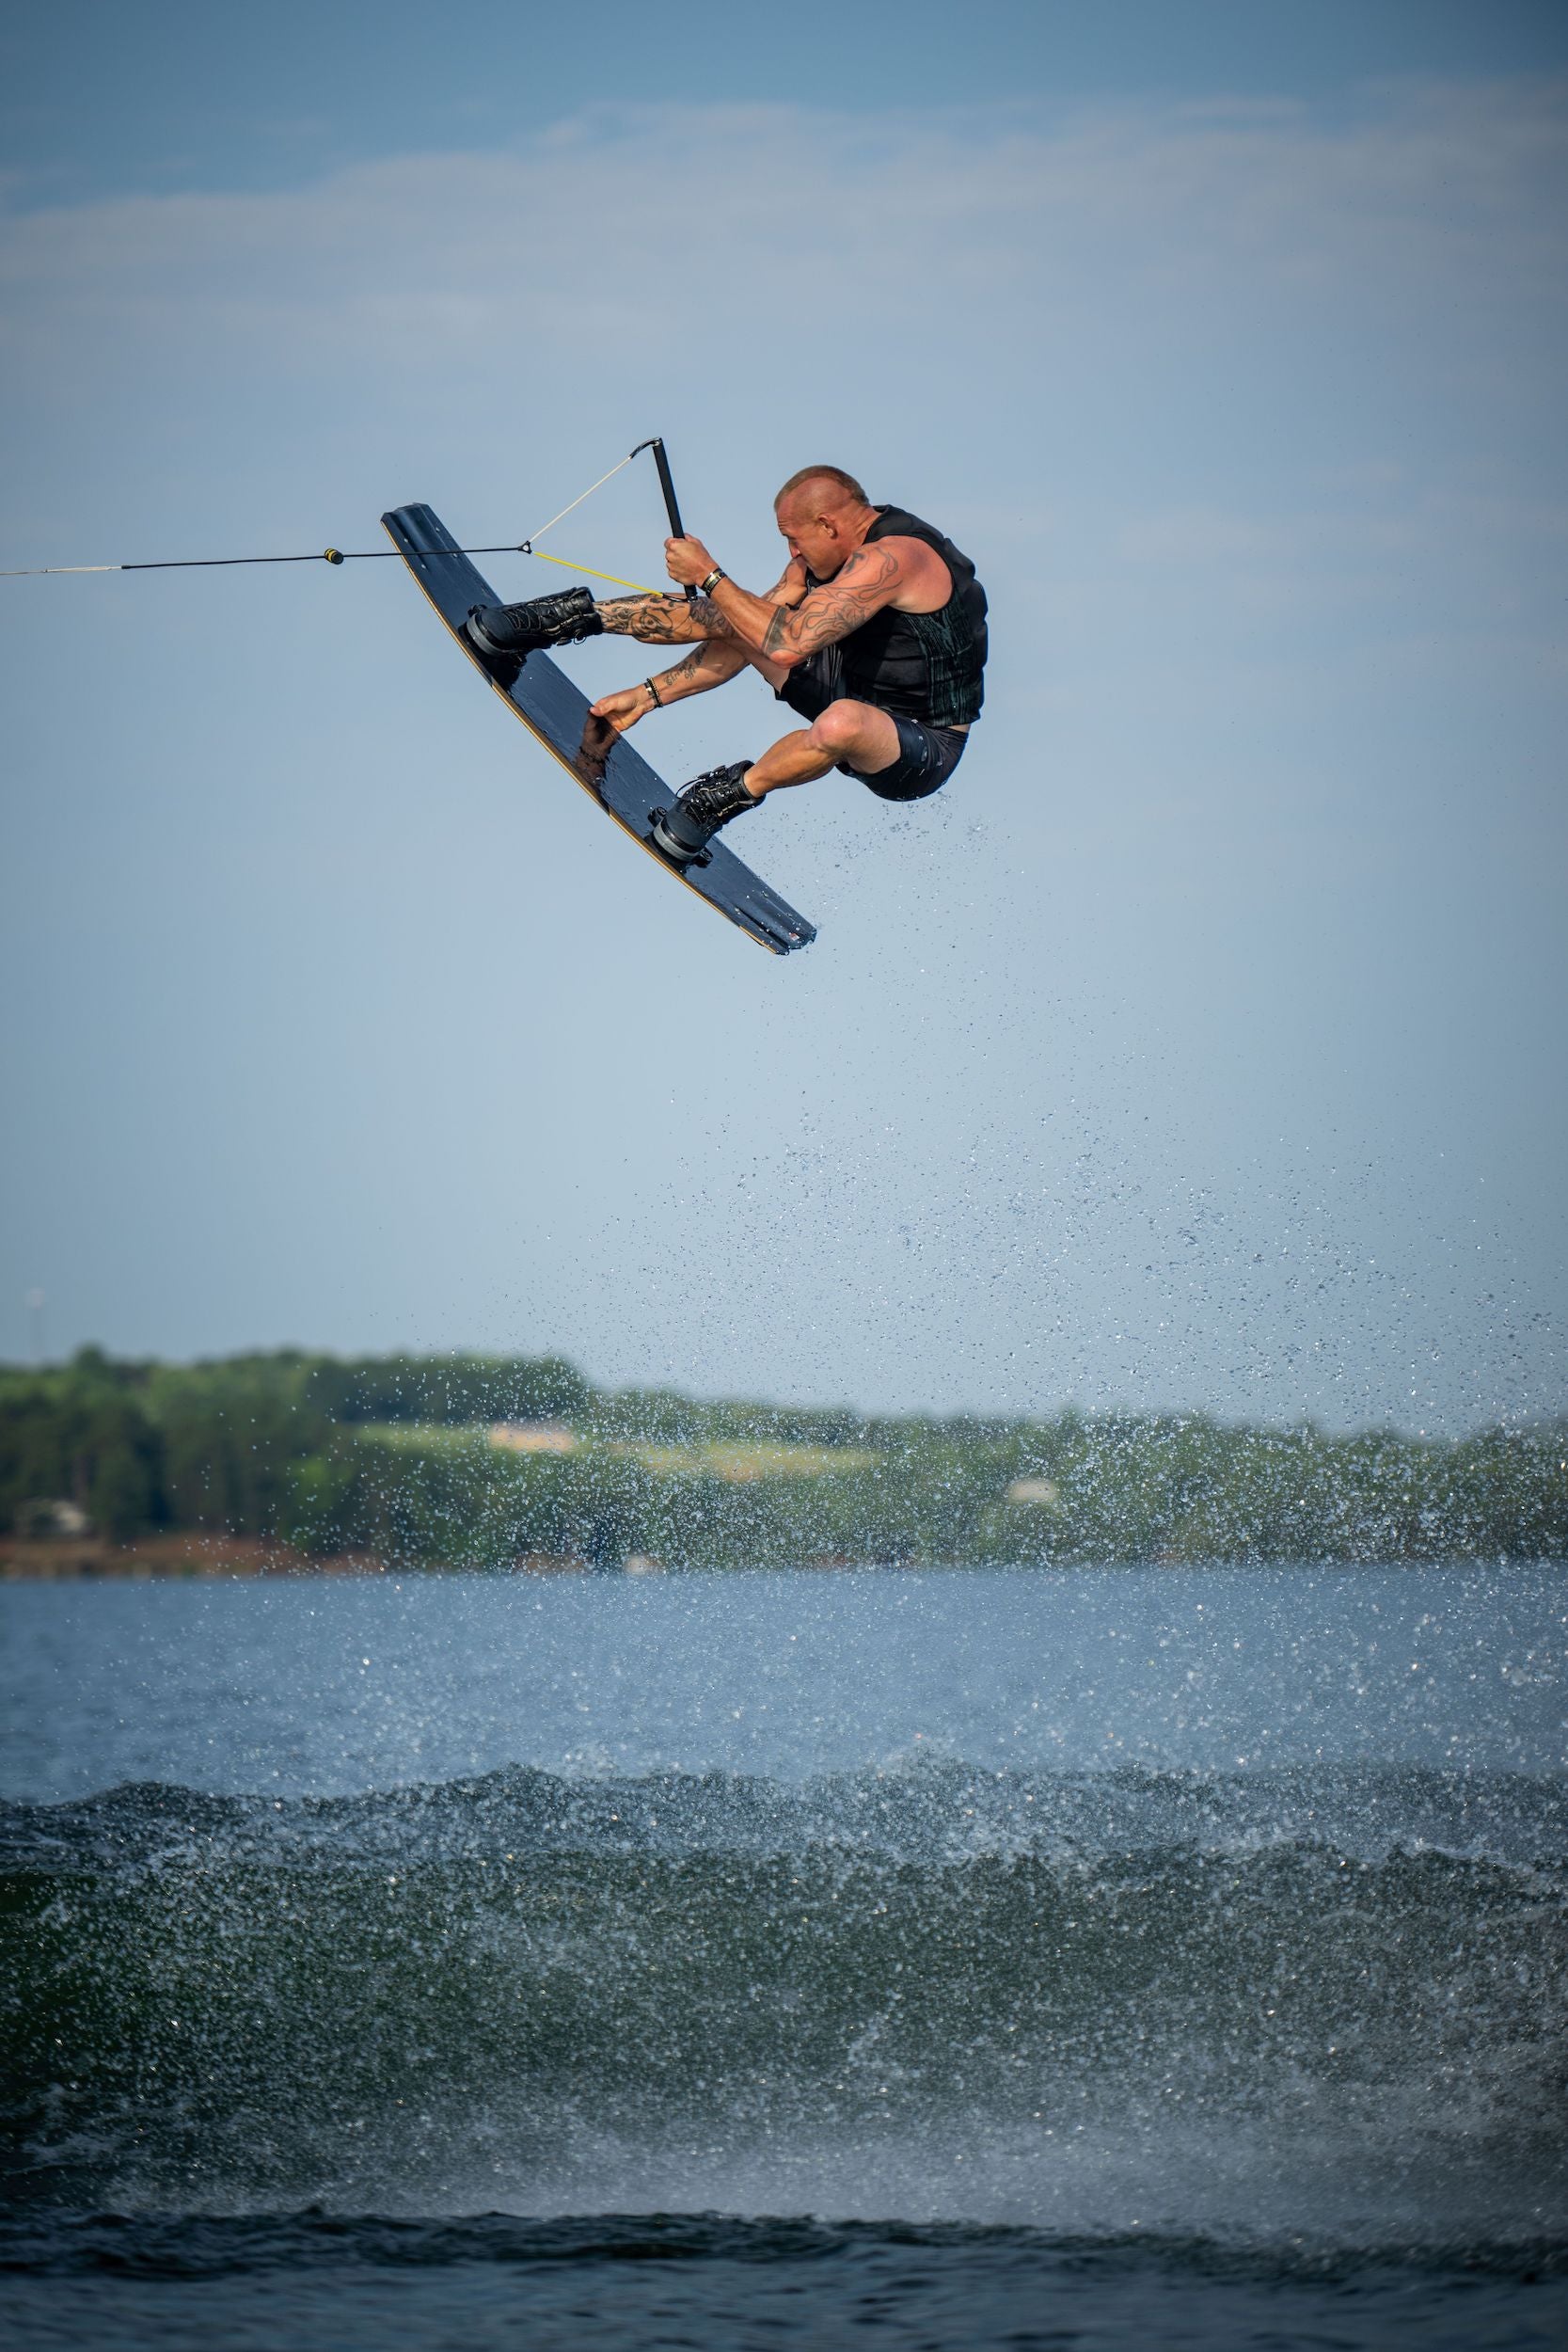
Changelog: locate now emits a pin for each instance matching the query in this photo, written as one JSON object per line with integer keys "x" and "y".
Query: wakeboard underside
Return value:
{"x": 618, "y": 778}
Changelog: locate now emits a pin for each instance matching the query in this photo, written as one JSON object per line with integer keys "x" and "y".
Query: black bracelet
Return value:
{"x": 712, "y": 583}
{"x": 658, "y": 700}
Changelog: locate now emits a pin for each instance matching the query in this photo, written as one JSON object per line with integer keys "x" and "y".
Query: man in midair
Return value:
{"x": 875, "y": 635}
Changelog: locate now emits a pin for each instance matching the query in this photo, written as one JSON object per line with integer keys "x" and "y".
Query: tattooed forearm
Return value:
{"x": 704, "y": 667}
{"x": 663, "y": 620}
{"x": 837, "y": 611}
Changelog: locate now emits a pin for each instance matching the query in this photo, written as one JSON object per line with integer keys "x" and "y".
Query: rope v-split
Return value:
{"x": 367, "y": 555}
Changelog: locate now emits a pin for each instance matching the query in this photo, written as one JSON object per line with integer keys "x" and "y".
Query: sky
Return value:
{"x": 1199, "y": 1047}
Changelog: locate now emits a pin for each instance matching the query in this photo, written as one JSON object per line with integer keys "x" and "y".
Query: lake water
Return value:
{"x": 957, "y": 1959}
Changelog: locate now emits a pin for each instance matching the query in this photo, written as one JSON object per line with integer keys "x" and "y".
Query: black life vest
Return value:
{"x": 917, "y": 665}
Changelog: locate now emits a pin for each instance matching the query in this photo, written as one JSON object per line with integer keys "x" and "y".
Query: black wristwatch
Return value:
{"x": 706, "y": 587}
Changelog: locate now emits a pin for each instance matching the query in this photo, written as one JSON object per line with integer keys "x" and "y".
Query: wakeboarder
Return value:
{"x": 875, "y": 635}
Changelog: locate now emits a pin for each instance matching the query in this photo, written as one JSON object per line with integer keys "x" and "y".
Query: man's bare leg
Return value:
{"x": 847, "y": 734}
{"x": 662, "y": 620}
{"x": 564, "y": 618}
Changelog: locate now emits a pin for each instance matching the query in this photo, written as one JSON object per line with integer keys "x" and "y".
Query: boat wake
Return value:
{"x": 1290, "y": 2010}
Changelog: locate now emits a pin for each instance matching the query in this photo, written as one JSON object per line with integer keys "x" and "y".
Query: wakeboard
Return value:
{"x": 555, "y": 712}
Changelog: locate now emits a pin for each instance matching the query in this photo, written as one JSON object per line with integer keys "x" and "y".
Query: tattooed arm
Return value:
{"x": 713, "y": 665}
{"x": 868, "y": 581}
{"x": 676, "y": 621}
{"x": 789, "y": 633}
{"x": 718, "y": 658}
{"x": 706, "y": 667}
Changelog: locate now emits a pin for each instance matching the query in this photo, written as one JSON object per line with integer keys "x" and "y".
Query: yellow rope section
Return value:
{"x": 613, "y": 577}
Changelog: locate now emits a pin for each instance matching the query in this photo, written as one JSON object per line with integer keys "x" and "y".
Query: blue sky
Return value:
{"x": 1200, "y": 1046}
{"x": 175, "y": 94}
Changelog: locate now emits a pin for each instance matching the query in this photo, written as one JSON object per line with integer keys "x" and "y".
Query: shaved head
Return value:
{"x": 823, "y": 486}
{"x": 823, "y": 514}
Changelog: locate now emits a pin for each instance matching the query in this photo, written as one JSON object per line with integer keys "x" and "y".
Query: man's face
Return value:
{"x": 820, "y": 540}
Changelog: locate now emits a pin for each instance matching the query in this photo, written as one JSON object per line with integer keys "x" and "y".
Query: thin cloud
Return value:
{"x": 941, "y": 216}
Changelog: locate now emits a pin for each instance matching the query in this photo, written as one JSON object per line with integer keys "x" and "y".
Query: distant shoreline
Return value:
{"x": 193, "y": 1558}
{"x": 189, "y": 1555}
{"x": 64, "y": 1560}
{"x": 293, "y": 1464}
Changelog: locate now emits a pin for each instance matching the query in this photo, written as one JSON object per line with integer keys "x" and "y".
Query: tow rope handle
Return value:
{"x": 677, "y": 528}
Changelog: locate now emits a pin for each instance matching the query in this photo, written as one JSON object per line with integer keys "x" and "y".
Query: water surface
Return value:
{"x": 899, "y": 1958}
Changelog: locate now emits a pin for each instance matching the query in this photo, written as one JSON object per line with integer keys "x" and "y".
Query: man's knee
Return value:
{"x": 842, "y": 728}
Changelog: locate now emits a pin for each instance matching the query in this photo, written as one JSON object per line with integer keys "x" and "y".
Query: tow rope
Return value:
{"x": 375, "y": 555}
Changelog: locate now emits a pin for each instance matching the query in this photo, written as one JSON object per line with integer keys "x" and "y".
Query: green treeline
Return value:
{"x": 393, "y": 1456}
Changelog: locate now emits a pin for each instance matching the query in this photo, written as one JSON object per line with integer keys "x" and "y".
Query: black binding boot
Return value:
{"x": 684, "y": 831}
{"x": 522, "y": 628}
